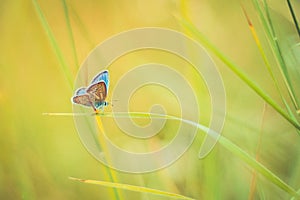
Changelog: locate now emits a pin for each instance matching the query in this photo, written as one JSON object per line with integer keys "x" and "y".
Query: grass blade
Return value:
{"x": 265, "y": 17}
{"x": 237, "y": 70}
{"x": 279, "y": 56}
{"x": 54, "y": 44}
{"x": 259, "y": 46}
{"x": 294, "y": 17}
{"x": 230, "y": 146}
{"x": 267, "y": 64}
{"x": 102, "y": 143}
{"x": 257, "y": 166}
{"x": 294, "y": 198}
{"x": 133, "y": 188}
{"x": 71, "y": 36}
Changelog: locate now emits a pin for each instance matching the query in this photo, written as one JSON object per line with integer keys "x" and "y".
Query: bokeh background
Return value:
{"x": 39, "y": 153}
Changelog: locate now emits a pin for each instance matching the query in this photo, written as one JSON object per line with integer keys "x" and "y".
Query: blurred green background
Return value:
{"x": 39, "y": 153}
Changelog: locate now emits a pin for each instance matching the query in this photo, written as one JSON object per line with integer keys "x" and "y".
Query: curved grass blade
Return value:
{"x": 133, "y": 188}
{"x": 237, "y": 70}
{"x": 233, "y": 148}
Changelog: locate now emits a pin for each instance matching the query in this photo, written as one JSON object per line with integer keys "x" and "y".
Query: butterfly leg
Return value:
{"x": 95, "y": 109}
{"x": 93, "y": 106}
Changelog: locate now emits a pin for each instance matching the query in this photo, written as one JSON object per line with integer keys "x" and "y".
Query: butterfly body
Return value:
{"x": 95, "y": 94}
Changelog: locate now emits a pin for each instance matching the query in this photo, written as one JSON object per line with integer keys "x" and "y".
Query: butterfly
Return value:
{"x": 95, "y": 94}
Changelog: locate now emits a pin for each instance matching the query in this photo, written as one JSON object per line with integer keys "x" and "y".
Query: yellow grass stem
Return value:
{"x": 106, "y": 152}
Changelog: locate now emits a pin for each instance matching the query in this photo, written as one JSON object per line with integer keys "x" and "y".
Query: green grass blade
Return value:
{"x": 237, "y": 151}
{"x": 71, "y": 36}
{"x": 267, "y": 64}
{"x": 294, "y": 198}
{"x": 262, "y": 53}
{"x": 257, "y": 166}
{"x": 237, "y": 70}
{"x": 62, "y": 61}
{"x": 279, "y": 56}
{"x": 230, "y": 146}
{"x": 54, "y": 44}
{"x": 133, "y": 188}
{"x": 265, "y": 17}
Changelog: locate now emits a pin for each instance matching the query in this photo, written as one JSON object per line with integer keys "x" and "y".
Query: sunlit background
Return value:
{"x": 38, "y": 153}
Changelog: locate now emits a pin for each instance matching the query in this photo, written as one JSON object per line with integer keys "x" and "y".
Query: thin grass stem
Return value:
{"x": 294, "y": 17}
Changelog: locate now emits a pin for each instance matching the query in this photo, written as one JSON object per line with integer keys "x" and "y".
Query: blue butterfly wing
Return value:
{"x": 102, "y": 76}
{"x": 80, "y": 91}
